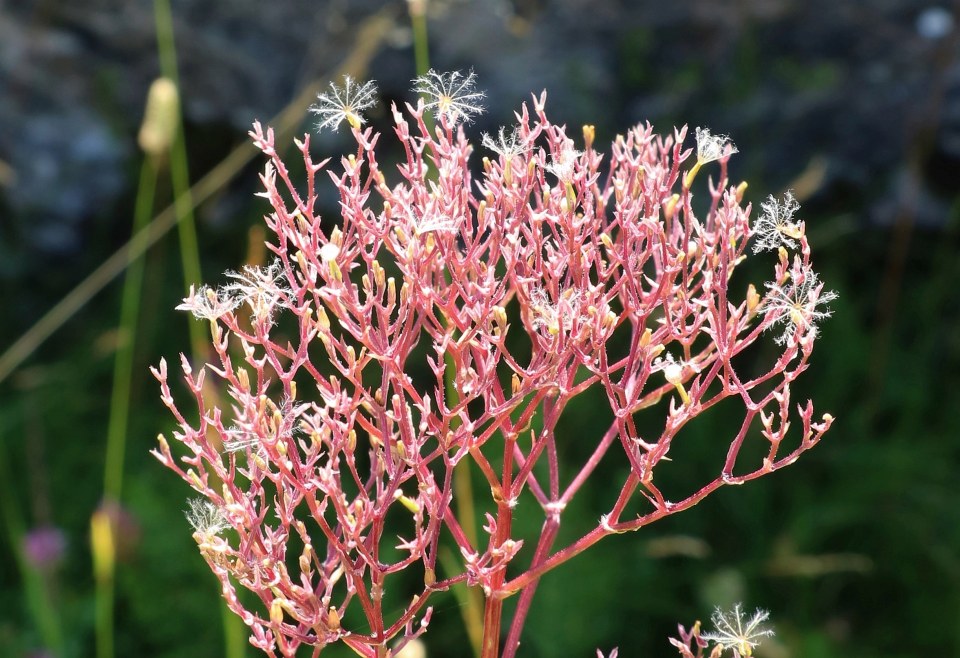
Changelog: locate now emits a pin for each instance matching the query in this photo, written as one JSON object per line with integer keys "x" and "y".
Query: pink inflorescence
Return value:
{"x": 315, "y": 446}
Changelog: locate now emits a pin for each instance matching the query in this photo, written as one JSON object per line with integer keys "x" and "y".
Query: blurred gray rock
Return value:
{"x": 789, "y": 80}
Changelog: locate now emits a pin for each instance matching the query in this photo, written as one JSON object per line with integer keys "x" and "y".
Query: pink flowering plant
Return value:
{"x": 324, "y": 470}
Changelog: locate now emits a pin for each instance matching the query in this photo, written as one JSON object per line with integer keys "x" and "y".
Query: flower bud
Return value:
{"x": 589, "y": 133}
{"x": 276, "y": 612}
{"x": 753, "y": 300}
{"x": 323, "y": 322}
{"x": 409, "y": 503}
{"x": 160, "y": 118}
{"x": 741, "y": 189}
{"x": 670, "y": 206}
{"x": 645, "y": 337}
{"x": 333, "y": 619}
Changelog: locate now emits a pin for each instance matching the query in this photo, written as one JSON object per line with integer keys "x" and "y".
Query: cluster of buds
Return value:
{"x": 447, "y": 318}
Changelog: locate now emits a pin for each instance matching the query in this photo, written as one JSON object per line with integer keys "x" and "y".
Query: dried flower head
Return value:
{"x": 673, "y": 369}
{"x": 450, "y": 96}
{"x": 735, "y": 631}
{"x": 507, "y": 144}
{"x": 775, "y": 228}
{"x": 557, "y": 316}
{"x": 713, "y": 147}
{"x": 564, "y": 163}
{"x": 206, "y": 518}
{"x": 345, "y": 103}
{"x": 206, "y": 303}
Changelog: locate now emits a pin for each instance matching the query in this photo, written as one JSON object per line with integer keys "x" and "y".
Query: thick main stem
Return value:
{"x": 493, "y": 606}
{"x": 492, "y": 614}
{"x": 547, "y": 537}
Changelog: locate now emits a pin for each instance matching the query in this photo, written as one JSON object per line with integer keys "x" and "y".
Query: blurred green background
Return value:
{"x": 855, "y": 550}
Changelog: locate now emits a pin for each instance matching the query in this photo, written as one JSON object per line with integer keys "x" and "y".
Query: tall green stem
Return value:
{"x": 123, "y": 363}
{"x": 179, "y": 171}
{"x": 421, "y": 45}
{"x": 117, "y": 428}
{"x": 235, "y": 633}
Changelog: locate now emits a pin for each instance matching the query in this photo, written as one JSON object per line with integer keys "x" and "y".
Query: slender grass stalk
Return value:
{"x": 471, "y": 599}
{"x": 103, "y": 549}
{"x": 117, "y": 429}
{"x": 235, "y": 632}
{"x": 421, "y": 44}
{"x": 179, "y": 171}
{"x": 123, "y": 364}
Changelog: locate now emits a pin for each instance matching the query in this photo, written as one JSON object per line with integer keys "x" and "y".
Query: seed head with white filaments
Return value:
{"x": 796, "y": 305}
{"x": 452, "y": 96}
{"x": 735, "y": 631}
{"x": 775, "y": 228}
{"x": 345, "y": 103}
{"x": 206, "y": 518}
{"x": 262, "y": 289}
{"x": 713, "y": 147}
{"x": 205, "y": 303}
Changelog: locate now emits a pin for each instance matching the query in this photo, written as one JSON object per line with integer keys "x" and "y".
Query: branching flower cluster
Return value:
{"x": 446, "y": 320}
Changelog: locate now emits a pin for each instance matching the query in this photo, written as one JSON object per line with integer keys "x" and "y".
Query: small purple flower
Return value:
{"x": 44, "y": 547}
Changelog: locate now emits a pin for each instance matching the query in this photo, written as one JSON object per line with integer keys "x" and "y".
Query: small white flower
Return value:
{"x": 206, "y": 518}
{"x": 451, "y": 96}
{"x": 207, "y": 303}
{"x": 672, "y": 369}
{"x": 328, "y": 252}
{"x": 712, "y": 147}
{"x": 795, "y": 305}
{"x": 775, "y": 228}
{"x": 734, "y": 631}
{"x": 344, "y": 103}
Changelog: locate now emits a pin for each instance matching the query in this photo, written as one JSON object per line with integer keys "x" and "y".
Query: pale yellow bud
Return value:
{"x": 670, "y": 206}
{"x": 276, "y": 612}
{"x": 160, "y": 119}
{"x": 741, "y": 190}
{"x": 333, "y": 618}
{"x": 753, "y": 300}
{"x": 589, "y": 133}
